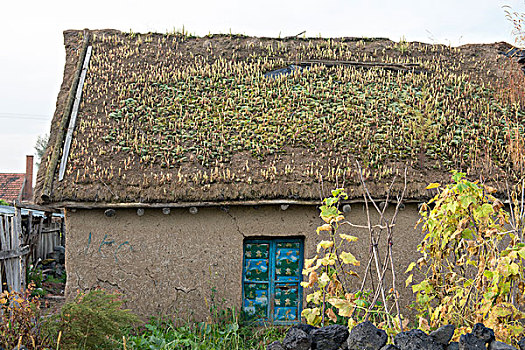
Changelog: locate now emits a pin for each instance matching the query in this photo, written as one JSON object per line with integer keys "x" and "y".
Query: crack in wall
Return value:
{"x": 236, "y": 224}
{"x": 100, "y": 280}
{"x": 185, "y": 290}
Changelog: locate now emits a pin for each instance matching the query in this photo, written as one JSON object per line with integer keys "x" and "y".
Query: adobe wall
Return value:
{"x": 169, "y": 264}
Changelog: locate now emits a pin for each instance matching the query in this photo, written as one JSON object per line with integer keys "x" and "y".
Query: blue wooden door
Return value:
{"x": 272, "y": 273}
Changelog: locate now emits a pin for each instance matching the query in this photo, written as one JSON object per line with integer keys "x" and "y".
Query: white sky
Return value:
{"x": 32, "y": 53}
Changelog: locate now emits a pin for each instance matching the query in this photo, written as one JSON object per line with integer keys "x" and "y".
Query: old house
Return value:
{"x": 190, "y": 174}
{"x": 17, "y": 186}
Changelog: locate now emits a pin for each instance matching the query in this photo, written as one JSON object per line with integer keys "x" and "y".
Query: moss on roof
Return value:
{"x": 168, "y": 118}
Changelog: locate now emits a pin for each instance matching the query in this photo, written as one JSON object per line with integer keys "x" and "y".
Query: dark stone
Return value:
{"x": 276, "y": 345}
{"x": 521, "y": 343}
{"x": 481, "y": 332}
{"x": 470, "y": 342}
{"x": 60, "y": 249}
{"x": 416, "y": 339}
{"x": 296, "y": 339}
{"x": 442, "y": 335}
{"x": 305, "y": 327}
{"x": 389, "y": 347}
{"x": 497, "y": 345}
{"x": 329, "y": 337}
{"x": 453, "y": 346}
{"x": 365, "y": 336}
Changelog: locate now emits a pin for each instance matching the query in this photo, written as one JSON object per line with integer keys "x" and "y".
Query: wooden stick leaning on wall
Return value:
{"x": 374, "y": 257}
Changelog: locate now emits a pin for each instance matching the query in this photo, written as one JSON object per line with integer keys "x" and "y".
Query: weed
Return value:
{"x": 92, "y": 321}
{"x": 20, "y": 321}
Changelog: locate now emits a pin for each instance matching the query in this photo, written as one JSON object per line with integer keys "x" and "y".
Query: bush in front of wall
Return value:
{"x": 20, "y": 321}
{"x": 472, "y": 260}
{"x": 94, "y": 320}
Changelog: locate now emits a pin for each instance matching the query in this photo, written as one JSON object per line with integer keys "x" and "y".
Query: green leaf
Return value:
{"x": 328, "y": 213}
{"x": 466, "y": 201}
{"x": 486, "y": 210}
{"x": 514, "y": 269}
{"x": 457, "y": 176}
{"x": 331, "y": 201}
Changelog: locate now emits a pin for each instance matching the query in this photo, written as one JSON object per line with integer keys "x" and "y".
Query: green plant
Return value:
{"x": 224, "y": 335}
{"x": 20, "y": 322}
{"x": 329, "y": 270}
{"x": 3, "y": 202}
{"x": 402, "y": 46}
{"x": 472, "y": 265}
{"x": 53, "y": 279}
{"x": 94, "y": 320}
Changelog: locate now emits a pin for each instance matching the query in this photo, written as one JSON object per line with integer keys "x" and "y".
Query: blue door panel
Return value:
{"x": 272, "y": 273}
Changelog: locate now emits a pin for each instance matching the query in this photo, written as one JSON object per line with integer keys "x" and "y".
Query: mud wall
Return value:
{"x": 181, "y": 264}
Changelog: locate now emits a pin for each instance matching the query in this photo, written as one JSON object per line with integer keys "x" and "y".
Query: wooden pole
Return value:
{"x": 57, "y": 148}
{"x": 73, "y": 119}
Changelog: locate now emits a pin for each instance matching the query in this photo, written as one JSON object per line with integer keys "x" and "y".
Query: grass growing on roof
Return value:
{"x": 199, "y": 111}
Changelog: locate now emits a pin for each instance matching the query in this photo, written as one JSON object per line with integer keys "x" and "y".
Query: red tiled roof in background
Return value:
{"x": 10, "y": 186}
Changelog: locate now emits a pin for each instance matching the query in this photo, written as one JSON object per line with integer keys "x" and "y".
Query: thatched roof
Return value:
{"x": 168, "y": 118}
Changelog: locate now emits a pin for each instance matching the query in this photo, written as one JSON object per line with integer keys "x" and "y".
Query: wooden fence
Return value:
{"x": 23, "y": 241}
{"x": 12, "y": 261}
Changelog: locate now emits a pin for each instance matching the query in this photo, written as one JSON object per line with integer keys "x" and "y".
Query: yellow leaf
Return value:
{"x": 331, "y": 315}
{"x": 312, "y": 278}
{"x": 308, "y": 262}
{"x": 409, "y": 280}
{"x": 432, "y": 185}
{"x": 324, "y": 244}
{"x": 348, "y": 237}
{"x": 324, "y": 279}
{"x": 423, "y": 324}
{"x": 311, "y": 315}
{"x": 345, "y": 307}
{"x": 338, "y": 218}
{"x": 349, "y": 258}
{"x": 410, "y": 267}
{"x": 325, "y": 227}
{"x": 352, "y": 273}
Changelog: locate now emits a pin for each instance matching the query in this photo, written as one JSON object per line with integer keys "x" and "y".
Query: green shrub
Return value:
{"x": 472, "y": 261}
{"x": 94, "y": 320}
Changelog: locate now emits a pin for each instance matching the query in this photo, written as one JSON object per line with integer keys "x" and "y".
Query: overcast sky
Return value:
{"x": 32, "y": 53}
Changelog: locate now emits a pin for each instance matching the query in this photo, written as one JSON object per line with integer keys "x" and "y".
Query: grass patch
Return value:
{"x": 169, "y": 334}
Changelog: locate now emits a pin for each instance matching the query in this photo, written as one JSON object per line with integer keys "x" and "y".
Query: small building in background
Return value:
{"x": 17, "y": 186}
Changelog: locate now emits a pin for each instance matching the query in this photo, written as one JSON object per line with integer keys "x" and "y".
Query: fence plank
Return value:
{"x": 13, "y": 253}
{"x": 22, "y": 258}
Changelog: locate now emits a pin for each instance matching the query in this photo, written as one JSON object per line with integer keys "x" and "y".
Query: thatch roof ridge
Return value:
{"x": 136, "y": 141}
